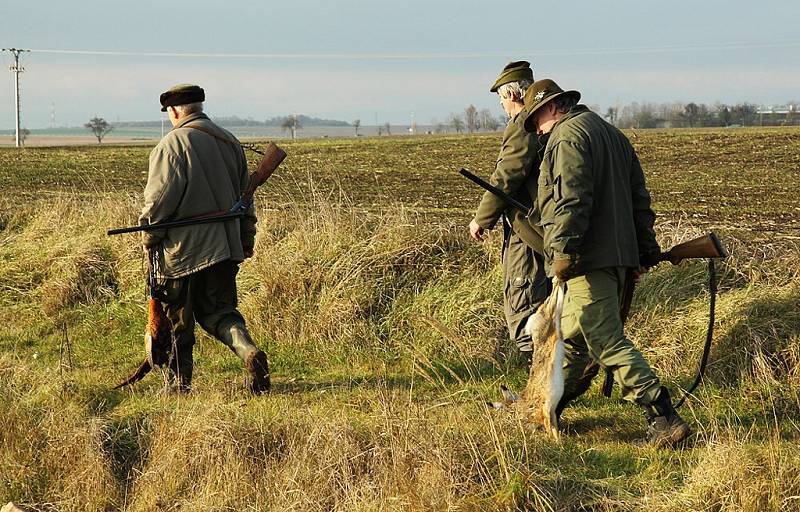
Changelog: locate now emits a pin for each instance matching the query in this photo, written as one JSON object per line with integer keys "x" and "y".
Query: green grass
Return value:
{"x": 384, "y": 327}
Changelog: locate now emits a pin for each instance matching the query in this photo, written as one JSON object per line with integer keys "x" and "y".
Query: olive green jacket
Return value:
{"x": 515, "y": 173}
{"x": 193, "y": 173}
{"x": 595, "y": 208}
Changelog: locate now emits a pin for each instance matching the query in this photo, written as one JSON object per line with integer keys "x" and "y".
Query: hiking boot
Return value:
{"x": 666, "y": 427}
{"x": 258, "y": 372}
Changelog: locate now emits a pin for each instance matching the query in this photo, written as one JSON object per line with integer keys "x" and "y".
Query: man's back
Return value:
{"x": 592, "y": 194}
{"x": 197, "y": 169}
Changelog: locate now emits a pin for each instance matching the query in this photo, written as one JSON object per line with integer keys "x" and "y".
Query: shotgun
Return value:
{"x": 496, "y": 191}
{"x": 273, "y": 156}
{"x": 706, "y": 246}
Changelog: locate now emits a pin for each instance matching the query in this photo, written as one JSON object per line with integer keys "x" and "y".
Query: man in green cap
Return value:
{"x": 598, "y": 232}
{"x": 199, "y": 168}
{"x": 525, "y": 285}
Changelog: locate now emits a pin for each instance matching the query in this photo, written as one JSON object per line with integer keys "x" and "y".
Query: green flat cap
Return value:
{"x": 513, "y": 72}
{"x": 538, "y": 94}
{"x": 181, "y": 94}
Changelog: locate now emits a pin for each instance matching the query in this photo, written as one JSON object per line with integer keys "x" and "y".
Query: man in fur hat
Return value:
{"x": 196, "y": 169}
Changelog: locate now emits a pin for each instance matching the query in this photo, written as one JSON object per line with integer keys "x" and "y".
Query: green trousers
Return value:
{"x": 525, "y": 286}
{"x": 208, "y": 297}
{"x": 592, "y": 329}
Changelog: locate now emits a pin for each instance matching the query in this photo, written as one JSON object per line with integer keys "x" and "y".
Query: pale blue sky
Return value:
{"x": 356, "y": 59}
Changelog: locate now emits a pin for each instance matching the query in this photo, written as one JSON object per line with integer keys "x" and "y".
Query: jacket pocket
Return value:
{"x": 519, "y": 293}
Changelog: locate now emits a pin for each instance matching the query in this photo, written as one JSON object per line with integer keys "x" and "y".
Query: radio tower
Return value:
{"x": 17, "y": 69}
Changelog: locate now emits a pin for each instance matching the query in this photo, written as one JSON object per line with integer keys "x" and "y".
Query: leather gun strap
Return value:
{"x": 712, "y": 290}
{"x": 209, "y": 132}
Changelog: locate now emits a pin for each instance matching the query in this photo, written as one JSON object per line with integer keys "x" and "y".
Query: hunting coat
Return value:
{"x": 193, "y": 173}
{"x": 595, "y": 208}
{"x": 515, "y": 173}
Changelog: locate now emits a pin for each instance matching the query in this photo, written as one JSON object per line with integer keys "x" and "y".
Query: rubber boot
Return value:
{"x": 666, "y": 427}
{"x": 236, "y": 337}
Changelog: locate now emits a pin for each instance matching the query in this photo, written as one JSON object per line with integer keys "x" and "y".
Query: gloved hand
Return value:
{"x": 649, "y": 260}
{"x": 565, "y": 269}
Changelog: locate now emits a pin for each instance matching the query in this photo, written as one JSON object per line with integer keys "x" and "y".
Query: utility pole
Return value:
{"x": 17, "y": 69}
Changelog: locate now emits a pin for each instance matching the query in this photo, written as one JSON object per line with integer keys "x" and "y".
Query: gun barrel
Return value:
{"x": 496, "y": 191}
{"x": 177, "y": 223}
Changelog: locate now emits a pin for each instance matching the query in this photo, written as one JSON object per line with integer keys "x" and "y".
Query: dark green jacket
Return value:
{"x": 594, "y": 205}
{"x": 516, "y": 173}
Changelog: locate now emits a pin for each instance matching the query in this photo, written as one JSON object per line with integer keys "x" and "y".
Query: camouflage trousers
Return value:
{"x": 207, "y": 297}
{"x": 525, "y": 286}
{"x": 592, "y": 329}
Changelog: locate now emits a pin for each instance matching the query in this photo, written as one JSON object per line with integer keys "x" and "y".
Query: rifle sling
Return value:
{"x": 209, "y": 132}
{"x": 608, "y": 384}
{"x": 712, "y": 291}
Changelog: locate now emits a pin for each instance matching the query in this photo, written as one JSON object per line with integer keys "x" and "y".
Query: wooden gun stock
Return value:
{"x": 706, "y": 246}
{"x": 273, "y": 156}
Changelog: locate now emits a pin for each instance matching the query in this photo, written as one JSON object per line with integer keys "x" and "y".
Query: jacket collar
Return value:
{"x": 573, "y": 112}
{"x": 191, "y": 117}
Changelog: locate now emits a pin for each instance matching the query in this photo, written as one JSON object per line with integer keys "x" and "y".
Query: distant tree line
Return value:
{"x": 470, "y": 121}
{"x": 691, "y": 115}
{"x": 236, "y": 121}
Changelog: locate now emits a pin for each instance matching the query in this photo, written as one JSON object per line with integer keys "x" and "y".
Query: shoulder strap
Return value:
{"x": 204, "y": 130}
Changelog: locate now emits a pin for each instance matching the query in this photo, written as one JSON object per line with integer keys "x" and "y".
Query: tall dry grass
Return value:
{"x": 396, "y": 321}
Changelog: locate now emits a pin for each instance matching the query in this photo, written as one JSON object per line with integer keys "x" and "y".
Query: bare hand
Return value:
{"x": 248, "y": 253}
{"x": 475, "y": 231}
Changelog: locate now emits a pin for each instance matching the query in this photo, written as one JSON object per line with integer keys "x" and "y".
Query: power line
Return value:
{"x": 728, "y": 46}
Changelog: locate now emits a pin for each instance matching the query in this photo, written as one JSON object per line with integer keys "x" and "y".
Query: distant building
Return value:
{"x": 779, "y": 115}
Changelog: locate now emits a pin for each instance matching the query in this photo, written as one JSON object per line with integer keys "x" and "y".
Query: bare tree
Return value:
{"x": 456, "y": 122}
{"x": 356, "y": 125}
{"x": 691, "y": 112}
{"x": 291, "y": 124}
{"x": 471, "y": 118}
{"x": 611, "y": 115}
{"x": 99, "y": 127}
{"x": 487, "y": 119}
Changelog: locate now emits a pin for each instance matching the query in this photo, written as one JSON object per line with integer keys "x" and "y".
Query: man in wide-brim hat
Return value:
{"x": 516, "y": 173}
{"x": 598, "y": 231}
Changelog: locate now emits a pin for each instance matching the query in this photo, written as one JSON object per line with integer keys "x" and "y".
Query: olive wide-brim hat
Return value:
{"x": 538, "y": 94}
{"x": 513, "y": 72}
{"x": 181, "y": 94}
